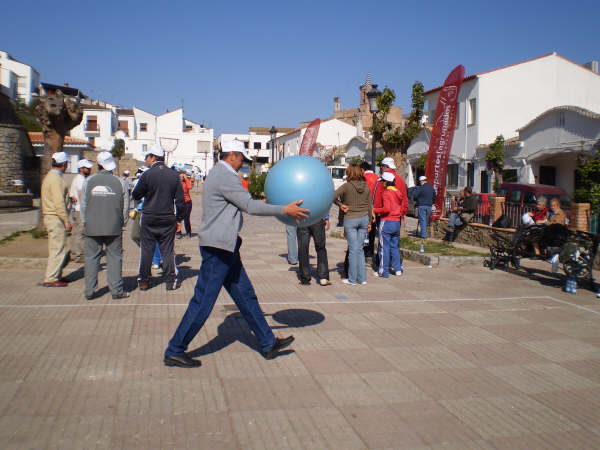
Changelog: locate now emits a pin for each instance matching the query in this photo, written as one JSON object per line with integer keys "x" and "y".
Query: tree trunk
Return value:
{"x": 53, "y": 142}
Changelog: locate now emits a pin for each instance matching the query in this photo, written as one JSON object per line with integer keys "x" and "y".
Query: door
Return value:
{"x": 485, "y": 182}
{"x": 548, "y": 175}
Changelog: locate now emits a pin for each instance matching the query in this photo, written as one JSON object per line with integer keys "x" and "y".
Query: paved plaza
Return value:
{"x": 442, "y": 358}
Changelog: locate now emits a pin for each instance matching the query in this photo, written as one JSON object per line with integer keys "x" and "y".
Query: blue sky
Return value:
{"x": 240, "y": 64}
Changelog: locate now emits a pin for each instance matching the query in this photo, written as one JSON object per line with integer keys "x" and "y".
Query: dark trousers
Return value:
{"x": 317, "y": 231}
{"x": 161, "y": 230}
{"x": 221, "y": 268}
{"x": 113, "y": 246}
{"x": 186, "y": 217}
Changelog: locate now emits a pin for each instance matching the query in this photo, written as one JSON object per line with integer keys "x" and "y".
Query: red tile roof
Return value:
{"x": 37, "y": 137}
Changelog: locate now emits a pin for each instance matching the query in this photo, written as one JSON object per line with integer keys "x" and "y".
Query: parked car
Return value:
{"x": 528, "y": 194}
{"x": 337, "y": 174}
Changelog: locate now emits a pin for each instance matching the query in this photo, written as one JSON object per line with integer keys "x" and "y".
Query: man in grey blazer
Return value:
{"x": 223, "y": 201}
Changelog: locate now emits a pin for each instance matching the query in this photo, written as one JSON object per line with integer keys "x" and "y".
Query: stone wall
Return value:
{"x": 473, "y": 234}
{"x": 15, "y": 151}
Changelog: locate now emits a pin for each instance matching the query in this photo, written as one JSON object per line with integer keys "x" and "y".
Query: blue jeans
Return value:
{"x": 220, "y": 268}
{"x": 389, "y": 252}
{"x": 454, "y": 220}
{"x": 356, "y": 230}
{"x": 156, "y": 258}
{"x": 292, "y": 246}
{"x": 424, "y": 213}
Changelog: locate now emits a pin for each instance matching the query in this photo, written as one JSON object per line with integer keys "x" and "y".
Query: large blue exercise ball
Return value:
{"x": 300, "y": 178}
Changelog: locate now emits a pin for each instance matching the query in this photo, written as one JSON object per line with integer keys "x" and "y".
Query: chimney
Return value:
{"x": 592, "y": 65}
{"x": 336, "y": 104}
{"x": 66, "y": 84}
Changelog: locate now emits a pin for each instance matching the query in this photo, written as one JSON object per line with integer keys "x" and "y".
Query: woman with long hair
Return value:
{"x": 354, "y": 199}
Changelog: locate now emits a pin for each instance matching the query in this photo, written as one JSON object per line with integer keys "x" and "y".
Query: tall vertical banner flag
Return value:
{"x": 441, "y": 138}
{"x": 310, "y": 138}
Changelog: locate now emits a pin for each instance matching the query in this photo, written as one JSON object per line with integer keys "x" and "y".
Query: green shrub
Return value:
{"x": 257, "y": 185}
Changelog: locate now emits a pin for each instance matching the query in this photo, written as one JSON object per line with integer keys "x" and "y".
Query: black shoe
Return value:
{"x": 179, "y": 235}
{"x": 173, "y": 285}
{"x": 305, "y": 282}
{"x": 121, "y": 295}
{"x": 143, "y": 285}
{"x": 91, "y": 297}
{"x": 181, "y": 361}
{"x": 278, "y": 345}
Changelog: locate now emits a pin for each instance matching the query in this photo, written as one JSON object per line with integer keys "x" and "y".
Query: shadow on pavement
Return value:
{"x": 234, "y": 328}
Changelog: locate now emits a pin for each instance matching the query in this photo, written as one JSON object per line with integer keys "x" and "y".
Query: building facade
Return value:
{"x": 18, "y": 81}
{"x": 499, "y": 102}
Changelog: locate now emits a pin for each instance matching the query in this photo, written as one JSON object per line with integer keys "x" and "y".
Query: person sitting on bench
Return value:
{"x": 464, "y": 214}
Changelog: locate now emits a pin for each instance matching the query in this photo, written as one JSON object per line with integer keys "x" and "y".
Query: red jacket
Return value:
{"x": 400, "y": 186}
{"x": 371, "y": 180}
{"x": 392, "y": 205}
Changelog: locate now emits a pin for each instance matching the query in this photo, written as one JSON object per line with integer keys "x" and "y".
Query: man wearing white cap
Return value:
{"x": 104, "y": 211}
{"x": 424, "y": 196}
{"x": 160, "y": 187}
{"x": 224, "y": 199}
{"x": 55, "y": 198}
{"x": 76, "y": 242}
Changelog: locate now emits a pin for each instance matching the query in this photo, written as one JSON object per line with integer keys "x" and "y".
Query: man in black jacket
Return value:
{"x": 424, "y": 196}
{"x": 161, "y": 189}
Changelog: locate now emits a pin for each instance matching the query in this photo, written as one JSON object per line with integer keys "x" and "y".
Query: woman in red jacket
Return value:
{"x": 187, "y": 187}
{"x": 389, "y": 228}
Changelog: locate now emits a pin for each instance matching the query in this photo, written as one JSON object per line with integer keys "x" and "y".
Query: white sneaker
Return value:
{"x": 155, "y": 266}
{"x": 398, "y": 273}
{"x": 347, "y": 281}
{"x": 324, "y": 282}
{"x": 376, "y": 274}
{"x": 364, "y": 282}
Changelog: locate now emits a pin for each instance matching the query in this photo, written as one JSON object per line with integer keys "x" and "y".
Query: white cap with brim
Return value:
{"x": 235, "y": 146}
{"x": 126, "y": 172}
{"x": 106, "y": 160}
{"x": 388, "y": 176}
{"x": 389, "y": 162}
{"x": 422, "y": 178}
{"x": 60, "y": 157}
{"x": 156, "y": 151}
{"x": 84, "y": 164}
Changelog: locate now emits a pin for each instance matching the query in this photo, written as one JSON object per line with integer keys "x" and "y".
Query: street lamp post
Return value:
{"x": 372, "y": 96}
{"x": 273, "y": 132}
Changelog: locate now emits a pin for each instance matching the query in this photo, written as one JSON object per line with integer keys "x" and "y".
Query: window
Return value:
{"x": 268, "y": 145}
{"x": 124, "y": 126}
{"x": 457, "y": 115}
{"x": 515, "y": 197}
{"x": 452, "y": 175}
{"x": 144, "y": 148}
{"x": 143, "y": 126}
{"x": 472, "y": 111}
{"x": 257, "y": 146}
{"x": 431, "y": 116}
{"x": 530, "y": 197}
{"x": 510, "y": 176}
{"x": 548, "y": 175}
{"x": 246, "y": 144}
{"x": 203, "y": 146}
{"x": 470, "y": 174}
{"x": 92, "y": 123}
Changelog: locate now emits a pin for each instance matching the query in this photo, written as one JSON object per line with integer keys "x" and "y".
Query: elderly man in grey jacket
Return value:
{"x": 104, "y": 212}
{"x": 223, "y": 201}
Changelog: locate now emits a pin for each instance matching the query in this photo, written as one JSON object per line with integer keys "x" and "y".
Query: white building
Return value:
{"x": 332, "y": 134}
{"x": 185, "y": 141}
{"x": 499, "y": 102}
{"x": 18, "y": 80}
{"x": 257, "y": 141}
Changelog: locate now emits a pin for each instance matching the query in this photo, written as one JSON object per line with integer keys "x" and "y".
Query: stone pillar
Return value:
{"x": 496, "y": 207}
{"x": 580, "y": 217}
{"x": 13, "y": 139}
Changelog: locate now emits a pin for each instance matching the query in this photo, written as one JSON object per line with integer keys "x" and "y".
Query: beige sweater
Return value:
{"x": 55, "y": 196}
{"x": 356, "y": 195}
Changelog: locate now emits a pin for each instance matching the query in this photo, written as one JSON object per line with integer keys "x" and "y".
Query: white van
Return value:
{"x": 337, "y": 174}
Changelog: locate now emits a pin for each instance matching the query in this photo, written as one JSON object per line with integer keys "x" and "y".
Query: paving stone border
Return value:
{"x": 441, "y": 261}
{"x": 10, "y": 262}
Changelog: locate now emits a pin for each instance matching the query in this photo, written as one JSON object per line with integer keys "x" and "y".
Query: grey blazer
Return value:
{"x": 223, "y": 201}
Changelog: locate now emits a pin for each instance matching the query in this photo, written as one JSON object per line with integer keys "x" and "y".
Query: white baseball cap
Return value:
{"x": 422, "y": 178}
{"x": 235, "y": 146}
{"x": 106, "y": 160}
{"x": 389, "y": 162}
{"x": 156, "y": 151}
{"x": 84, "y": 163}
{"x": 60, "y": 157}
{"x": 126, "y": 172}
{"x": 388, "y": 176}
